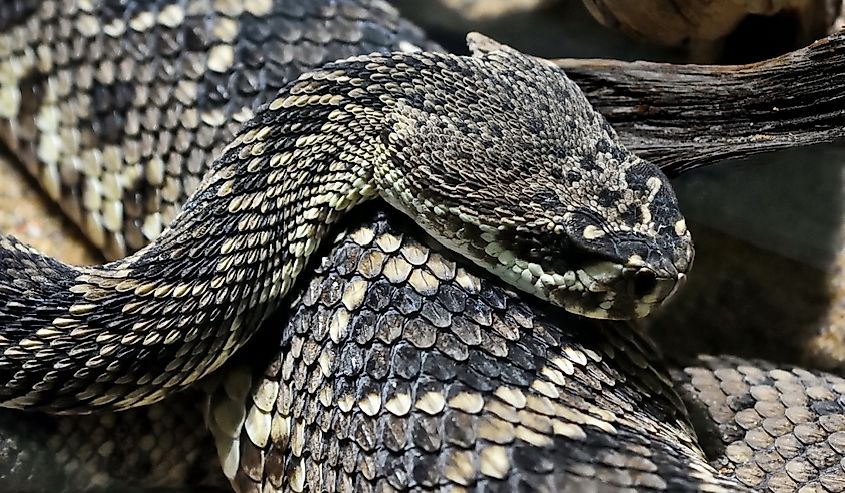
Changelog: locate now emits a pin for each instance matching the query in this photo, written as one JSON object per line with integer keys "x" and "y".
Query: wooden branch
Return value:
{"x": 685, "y": 116}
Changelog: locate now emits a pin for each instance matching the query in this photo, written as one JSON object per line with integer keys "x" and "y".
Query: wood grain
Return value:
{"x": 684, "y": 116}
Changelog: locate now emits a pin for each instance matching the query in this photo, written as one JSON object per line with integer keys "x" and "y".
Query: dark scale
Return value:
{"x": 16, "y": 12}
{"x": 32, "y": 89}
{"x": 110, "y": 104}
{"x": 111, "y": 10}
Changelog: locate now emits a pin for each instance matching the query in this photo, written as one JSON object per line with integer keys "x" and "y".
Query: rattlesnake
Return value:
{"x": 397, "y": 368}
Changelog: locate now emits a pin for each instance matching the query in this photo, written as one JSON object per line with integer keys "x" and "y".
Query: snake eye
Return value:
{"x": 645, "y": 282}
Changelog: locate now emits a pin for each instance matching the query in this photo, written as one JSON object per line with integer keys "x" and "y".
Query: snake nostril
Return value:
{"x": 645, "y": 282}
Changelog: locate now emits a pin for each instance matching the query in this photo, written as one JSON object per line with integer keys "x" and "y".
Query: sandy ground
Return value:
{"x": 27, "y": 214}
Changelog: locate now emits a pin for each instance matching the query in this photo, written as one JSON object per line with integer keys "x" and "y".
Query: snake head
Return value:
{"x": 501, "y": 158}
{"x": 602, "y": 247}
{"x": 623, "y": 252}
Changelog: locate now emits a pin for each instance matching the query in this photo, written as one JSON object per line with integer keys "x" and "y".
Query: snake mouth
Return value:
{"x": 607, "y": 290}
{"x": 600, "y": 289}
{"x": 587, "y": 284}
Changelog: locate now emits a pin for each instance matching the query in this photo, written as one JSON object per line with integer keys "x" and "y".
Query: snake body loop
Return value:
{"x": 497, "y": 155}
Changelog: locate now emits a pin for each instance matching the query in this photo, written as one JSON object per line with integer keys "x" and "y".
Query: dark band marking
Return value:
{"x": 16, "y": 12}
{"x": 110, "y": 104}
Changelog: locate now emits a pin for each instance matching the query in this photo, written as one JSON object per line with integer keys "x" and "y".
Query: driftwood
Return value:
{"x": 674, "y": 23}
{"x": 685, "y": 116}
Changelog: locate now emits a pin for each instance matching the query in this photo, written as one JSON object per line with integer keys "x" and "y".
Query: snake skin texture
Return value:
{"x": 773, "y": 429}
{"x": 159, "y": 447}
{"x": 397, "y": 367}
{"x": 98, "y": 106}
{"x": 118, "y": 108}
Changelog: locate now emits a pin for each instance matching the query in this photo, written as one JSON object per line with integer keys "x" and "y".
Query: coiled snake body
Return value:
{"x": 118, "y": 109}
{"x": 558, "y": 209}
